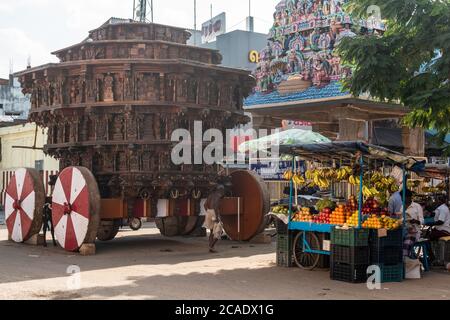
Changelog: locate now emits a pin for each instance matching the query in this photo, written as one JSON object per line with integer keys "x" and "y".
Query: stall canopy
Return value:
{"x": 288, "y": 137}
{"x": 439, "y": 172}
{"x": 341, "y": 151}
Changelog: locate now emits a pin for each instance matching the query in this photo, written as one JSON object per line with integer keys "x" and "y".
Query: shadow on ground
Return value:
{"x": 26, "y": 263}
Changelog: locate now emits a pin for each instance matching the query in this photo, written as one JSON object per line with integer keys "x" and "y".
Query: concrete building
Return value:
{"x": 240, "y": 49}
{"x": 12, "y": 101}
{"x": 21, "y": 134}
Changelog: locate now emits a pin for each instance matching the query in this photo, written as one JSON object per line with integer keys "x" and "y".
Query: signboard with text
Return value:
{"x": 213, "y": 28}
{"x": 297, "y": 124}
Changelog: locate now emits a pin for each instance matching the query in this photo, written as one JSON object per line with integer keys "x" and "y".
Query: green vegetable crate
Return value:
{"x": 350, "y": 237}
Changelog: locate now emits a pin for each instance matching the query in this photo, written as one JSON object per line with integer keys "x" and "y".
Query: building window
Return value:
{"x": 39, "y": 165}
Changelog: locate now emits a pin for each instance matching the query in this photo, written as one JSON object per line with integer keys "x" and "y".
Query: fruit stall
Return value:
{"x": 355, "y": 232}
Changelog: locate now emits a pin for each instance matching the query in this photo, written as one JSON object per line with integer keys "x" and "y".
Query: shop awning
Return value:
{"x": 288, "y": 137}
{"x": 440, "y": 172}
{"x": 342, "y": 151}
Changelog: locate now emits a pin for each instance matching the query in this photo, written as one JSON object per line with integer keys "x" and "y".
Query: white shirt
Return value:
{"x": 443, "y": 214}
{"x": 415, "y": 212}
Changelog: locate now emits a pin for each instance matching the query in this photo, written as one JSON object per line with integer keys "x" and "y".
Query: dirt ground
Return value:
{"x": 145, "y": 265}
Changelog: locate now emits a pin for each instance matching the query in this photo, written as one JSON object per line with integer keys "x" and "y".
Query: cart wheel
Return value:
{"x": 135, "y": 224}
{"x": 24, "y": 202}
{"x": 307, "y": 261}
{"x": 75, "y": 208}
{"x": 108, "y": 229}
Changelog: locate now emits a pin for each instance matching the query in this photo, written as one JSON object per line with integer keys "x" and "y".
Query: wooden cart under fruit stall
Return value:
{"x": 306, "y": 247}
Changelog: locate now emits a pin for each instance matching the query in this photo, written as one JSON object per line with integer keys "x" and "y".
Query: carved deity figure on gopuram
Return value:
{"x": 303, "y": 40}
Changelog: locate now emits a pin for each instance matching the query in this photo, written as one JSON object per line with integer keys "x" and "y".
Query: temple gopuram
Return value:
{"x": 111, "y": 105}
{"x": 299, "y": 71}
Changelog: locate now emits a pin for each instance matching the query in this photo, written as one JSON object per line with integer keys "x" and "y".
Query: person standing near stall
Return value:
{"x": 395, "y": 203}
{"x": 442, "y": 220}
{"x": 414, "y": 219}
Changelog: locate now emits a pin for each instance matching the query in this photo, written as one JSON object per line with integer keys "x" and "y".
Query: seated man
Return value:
{"x": 441, "y": 220}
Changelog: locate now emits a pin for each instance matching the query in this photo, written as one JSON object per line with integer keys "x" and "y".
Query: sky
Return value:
{"x": 35, "y": 28}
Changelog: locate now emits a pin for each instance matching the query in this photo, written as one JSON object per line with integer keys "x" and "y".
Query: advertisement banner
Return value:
{"x": 213, "y": 28}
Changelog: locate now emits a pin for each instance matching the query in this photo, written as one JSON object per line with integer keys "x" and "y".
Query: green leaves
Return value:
{"x": 410, "y": 63}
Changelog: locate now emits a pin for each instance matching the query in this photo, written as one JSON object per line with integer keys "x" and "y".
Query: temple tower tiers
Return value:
{"x": 302, "y": 42}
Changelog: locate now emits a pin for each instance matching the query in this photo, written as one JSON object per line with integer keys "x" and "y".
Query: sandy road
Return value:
{"x": 144, "y": 265}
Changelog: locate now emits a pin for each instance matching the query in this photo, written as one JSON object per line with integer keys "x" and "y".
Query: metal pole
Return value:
{"x": 291, "y": 194}
{"x": 151, "y": 7}
{"x": 195, "y": 22}
{"x": 404, "y": 196}
{"x": 134, "y": 9}
{"x": 361, "y": 185}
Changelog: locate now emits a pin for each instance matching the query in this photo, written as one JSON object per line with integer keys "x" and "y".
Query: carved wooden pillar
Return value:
{"x": 128, "y": 85}
{"x": 101, "y": 122}
{"x": 130, "y": 125}
{"x": 82, "y": 87}
{"x": 162, "y": 84}
{"x": 108, "y": 88}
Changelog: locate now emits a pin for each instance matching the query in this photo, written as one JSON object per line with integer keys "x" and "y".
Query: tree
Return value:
{"x": 410, "y": 63}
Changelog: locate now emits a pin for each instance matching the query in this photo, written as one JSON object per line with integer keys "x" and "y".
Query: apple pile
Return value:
{"x": 352, "y": 204}
{"x": 324, "y": 217}
{"x": 304, "y": 215}
{"x": 371, "y": 206}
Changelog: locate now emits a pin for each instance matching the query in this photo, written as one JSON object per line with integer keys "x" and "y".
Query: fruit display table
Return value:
{"x": 356, "y": 163}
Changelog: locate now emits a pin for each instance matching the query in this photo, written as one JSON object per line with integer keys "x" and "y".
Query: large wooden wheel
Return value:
{"x": 253, "y": 218}
{"x": 108, "y": 229}
{"x": 75, "y": 208}
{"x": 24, "y": 203}
{"x": 171, "y": 226}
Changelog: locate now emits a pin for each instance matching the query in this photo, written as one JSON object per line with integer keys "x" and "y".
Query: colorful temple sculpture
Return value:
{"x": 111, "y": 105}
{"x": 302, "y": 43}
{"x": 298, "y": 77}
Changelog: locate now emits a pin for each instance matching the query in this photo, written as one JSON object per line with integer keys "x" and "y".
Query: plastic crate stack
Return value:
{"x": 441, "y": 250}
{"x": 284, "y": 246}
{"x": 349, "y": 255}
{"x": 387, "y": 253}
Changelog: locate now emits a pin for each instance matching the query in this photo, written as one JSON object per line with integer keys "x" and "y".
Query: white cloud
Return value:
{"x": 37, "y": 27}
{"x": 6, "y": 7}
{"x": 18, "y": 46}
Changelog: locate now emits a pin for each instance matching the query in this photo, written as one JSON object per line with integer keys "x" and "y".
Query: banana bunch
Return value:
{"x": 288, "y": 175}
{"x": 321, "y": 182}
{"x": 356, "y": 181}
{"x": 328, "y": 173}
{"x": 343, "y": 173}
{"x": 386, "y": 184}
{"x": 298, "y": 179}
{"x": 377, "y": 177}
{"x": 309, "y": 174}
{"x": 370, "y": 192}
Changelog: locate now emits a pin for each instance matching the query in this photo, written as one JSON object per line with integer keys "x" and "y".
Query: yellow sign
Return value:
{"x": 253, "y": 56}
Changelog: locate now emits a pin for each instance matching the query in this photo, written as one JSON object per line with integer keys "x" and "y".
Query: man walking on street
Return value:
{"x": 212, "y": 219}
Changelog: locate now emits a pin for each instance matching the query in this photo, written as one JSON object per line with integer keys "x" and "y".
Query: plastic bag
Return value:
{"x": 218, "y": 230}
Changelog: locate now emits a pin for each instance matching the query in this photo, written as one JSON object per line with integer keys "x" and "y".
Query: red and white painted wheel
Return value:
{"x": 24, "y": 203}
{"x": 75, "y": 208}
